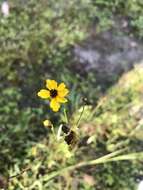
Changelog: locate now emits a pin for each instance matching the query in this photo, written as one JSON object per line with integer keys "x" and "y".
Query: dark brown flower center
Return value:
{"x": 53, "y": 93}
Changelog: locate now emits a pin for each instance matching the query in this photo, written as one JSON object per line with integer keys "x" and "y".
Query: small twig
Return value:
{"x": 19, "y": 174}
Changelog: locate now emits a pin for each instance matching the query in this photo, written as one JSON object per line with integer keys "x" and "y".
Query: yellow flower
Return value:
{"x": 56, "y": 93}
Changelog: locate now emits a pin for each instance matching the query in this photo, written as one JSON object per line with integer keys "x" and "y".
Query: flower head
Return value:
{"x": 55, "y": 93}
{"x": 47, "y": 123}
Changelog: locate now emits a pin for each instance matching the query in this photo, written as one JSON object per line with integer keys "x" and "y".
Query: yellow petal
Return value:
{"x": 61, "y": 86}
{"x": 44, "y": 94}
{"x": 54, "y": 105}
{"x": 63, "y": 93}
{"x": 51, "y": 84}
{"x": 61, "y": 99}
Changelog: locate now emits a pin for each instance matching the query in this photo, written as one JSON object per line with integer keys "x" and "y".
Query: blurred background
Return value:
{"x": 96, "y": 48}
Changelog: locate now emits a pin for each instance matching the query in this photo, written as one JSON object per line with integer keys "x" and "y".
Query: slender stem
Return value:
{"x": 53, "y": 131}
{"x": 103, "y": 159}
{"x": 65, "y": 115}
{"x": 19, "y": 174}
{"x": 133, "y": 156}
{"x": 77, "y": 124}
{"x": 24, "y": 170}
{"x": 99, "y": 104}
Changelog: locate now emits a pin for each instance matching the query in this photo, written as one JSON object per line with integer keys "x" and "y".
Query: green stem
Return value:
{"x": 53, "y": 131}
{"x": 65, "y": 115}
{"x": 77, "y": 124}
{"x": 81, "y": 164}
{"x": 131, "y": 156}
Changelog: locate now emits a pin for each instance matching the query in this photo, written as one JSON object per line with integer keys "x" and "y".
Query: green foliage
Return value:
{"x": 34, "y": 31}
{"x": 131, "y": 10}
{"x": 116, "y": 123}
{"x": 36, "y": 42}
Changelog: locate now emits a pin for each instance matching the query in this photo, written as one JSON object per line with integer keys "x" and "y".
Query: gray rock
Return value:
{"x": 108, "y": 54}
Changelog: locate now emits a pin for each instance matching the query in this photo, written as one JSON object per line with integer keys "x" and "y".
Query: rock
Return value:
{"x": 108, "y": 54}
